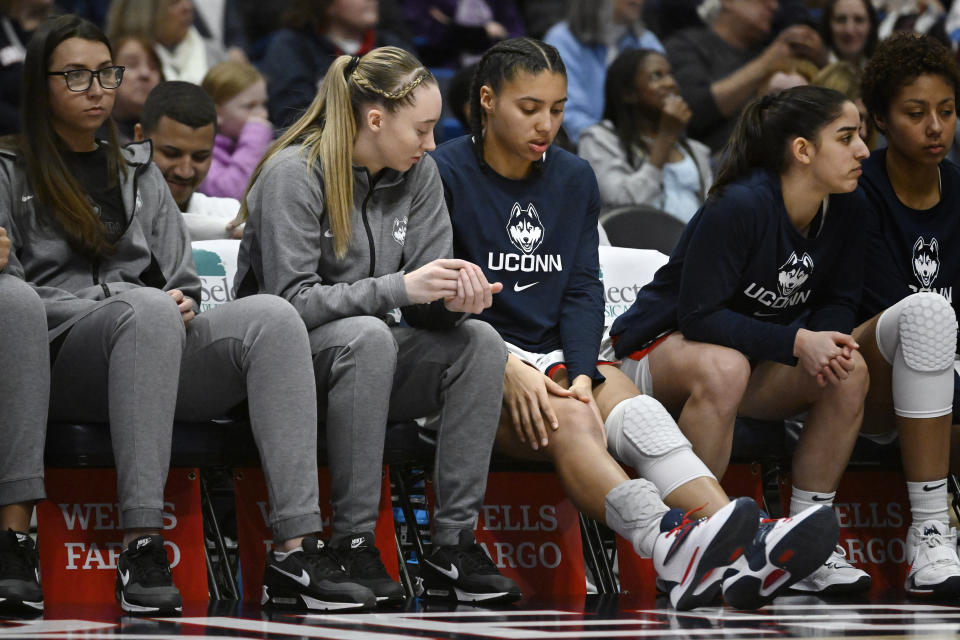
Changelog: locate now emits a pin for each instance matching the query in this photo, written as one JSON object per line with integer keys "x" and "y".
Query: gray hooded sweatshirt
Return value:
{"x": 399, "y": 222}
{"x": 154, "y": 250}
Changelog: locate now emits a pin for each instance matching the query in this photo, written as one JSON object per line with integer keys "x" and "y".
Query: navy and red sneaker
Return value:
{"x": 784, "y": 551}
{"x": 691, "y": 556}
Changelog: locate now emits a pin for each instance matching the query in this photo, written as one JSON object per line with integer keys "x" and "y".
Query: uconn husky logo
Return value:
{"x": 926, "y": 261}
{"x": 794, "y": 272}
{"x": 525, "y": 228}
{"x": 400, "y": 230}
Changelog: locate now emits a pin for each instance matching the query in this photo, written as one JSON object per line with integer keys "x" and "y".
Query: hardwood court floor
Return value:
{"x": 585, "y": 617}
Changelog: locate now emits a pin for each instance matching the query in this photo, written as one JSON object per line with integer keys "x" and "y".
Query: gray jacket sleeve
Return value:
{"x": 169, "y": 238}
{"x": 619, "y": 182}
{"x": 60, "y": 304}
{"x": 429, "y": 237}
{"x": 286, "y": 206}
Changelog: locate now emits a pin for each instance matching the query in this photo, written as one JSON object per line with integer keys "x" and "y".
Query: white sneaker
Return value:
{"x": 689, "y": 554}
{"x": 784, "y": 551}
{"x": 836, "y": 576}
{"x": 932, "y": 554}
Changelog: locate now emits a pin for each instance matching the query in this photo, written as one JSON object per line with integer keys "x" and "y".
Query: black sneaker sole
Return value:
{"x": 286, "y": 599}
{"x": 797, "y": 554}
{"x": 141, "y": 609}
{"x": 456, "y": 594}
{"x": 857, "y": 587}
{"x": 20, "y": 608}
{"x": 948, "y": 589}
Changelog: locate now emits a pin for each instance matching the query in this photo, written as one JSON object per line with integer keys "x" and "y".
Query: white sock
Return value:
{"x": 928, "y": 501}
{"x": 800, "y": 499}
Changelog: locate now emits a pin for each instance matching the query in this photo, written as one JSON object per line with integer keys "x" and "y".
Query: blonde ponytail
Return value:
{"x": 386, "y": 76}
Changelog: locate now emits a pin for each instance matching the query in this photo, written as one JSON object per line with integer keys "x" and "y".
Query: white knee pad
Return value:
{"x": 642, "y": 434}
{"x": 918, "y": 336}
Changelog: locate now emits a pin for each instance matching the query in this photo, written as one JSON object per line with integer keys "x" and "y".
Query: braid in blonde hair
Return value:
{"x": 386, "y": 76}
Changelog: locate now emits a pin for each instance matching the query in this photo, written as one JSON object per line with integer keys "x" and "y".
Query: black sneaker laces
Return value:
{"x": 150, "y": 565}
{"x": 16, "y": 558}
{"x": 364, "y": 562}
{"x": 324, "y": 561}
{"x": 472, "y": 559}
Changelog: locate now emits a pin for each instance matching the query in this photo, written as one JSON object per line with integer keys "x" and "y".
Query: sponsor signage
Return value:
{"x": 80, "y": 536}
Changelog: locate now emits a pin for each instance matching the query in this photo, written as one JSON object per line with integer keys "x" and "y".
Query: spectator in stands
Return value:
{"x": 515, "y": 199}
{"x": 18, "y": 19}
{"x": 452, "y": 33}
{"x": 752, "y": 314}
{"x": 184, "y": 53}
{"x": 908, "y": 333}
{"x": 849, "y": 30}
{"x": 24, "y": 394}
{"x": 142, "y": 71}
{"x": 846, "y": 78}
{"x": 222, "y": 22}
{"x": 640, "y": 152}
{"x": 240, "y": 95}
{"x": 786, "y": 74}
{"x": 720, "y": 67}
{"x": 180, "y": 120}
{"x": 316, "y": 32}
{"x": 588, "y": 40}
{"x": 97, "y": 235}
{"x": 347, "y": 222}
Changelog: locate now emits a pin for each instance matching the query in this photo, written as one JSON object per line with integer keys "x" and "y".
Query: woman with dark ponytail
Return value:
{"x": 527, "y": 211}
{"x": 752, "y": 315}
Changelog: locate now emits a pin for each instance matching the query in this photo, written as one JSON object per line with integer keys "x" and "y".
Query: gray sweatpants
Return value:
{"x": 131, "y": 362}
{"x": 24, "y": 391}
{"x": 369, "y": 373}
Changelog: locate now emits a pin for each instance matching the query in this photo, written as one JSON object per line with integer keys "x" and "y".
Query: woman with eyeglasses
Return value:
{"x": 98, "y": 236}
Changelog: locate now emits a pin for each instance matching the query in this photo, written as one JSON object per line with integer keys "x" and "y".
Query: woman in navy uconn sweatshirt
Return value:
{"x": 526, "y": 212}
{"x": 753, "y": 313}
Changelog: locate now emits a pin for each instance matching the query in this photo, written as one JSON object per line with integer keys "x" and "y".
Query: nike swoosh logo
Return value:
{"x": 929, "y": 488}
{"x": 356, "y": 543}
{"x": 819, "y": 499}
{"x": 125, "y": 577}
{"x": 328, "y": 234}
{"x": 303, "y": 578}
{"x": 518, "y": 288}
{"x": 451, "y": 573}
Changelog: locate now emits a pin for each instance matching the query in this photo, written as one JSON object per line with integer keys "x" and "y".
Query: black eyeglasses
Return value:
{"x": 82, "y": 79}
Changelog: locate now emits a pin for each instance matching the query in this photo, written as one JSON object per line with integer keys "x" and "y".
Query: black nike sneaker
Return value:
{"x": 19, "y": 574}
{"x": 312, "y": 577}
{"x": 361, "y": 560}
{"x": 464, "y": 572}
{"x": 144, "y": 583}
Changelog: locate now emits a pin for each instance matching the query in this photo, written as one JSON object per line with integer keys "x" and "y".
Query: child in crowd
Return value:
{"x": 639, "y": 152}
{"x": 752, "y": 314}
{"x": 244, "y": 133}
{"x": 142, "y": 71}
{"x": 909, "y": 330}
{"x": 97, "y": 235}
{"x": 347, "y": 222}
{"x": 527, "y": 212}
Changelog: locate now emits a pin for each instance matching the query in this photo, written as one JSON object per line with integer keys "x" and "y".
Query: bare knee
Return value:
{"x": 578, "y": 428}
{"x": 721, "y": 379}
{"x": 850, "y": 394}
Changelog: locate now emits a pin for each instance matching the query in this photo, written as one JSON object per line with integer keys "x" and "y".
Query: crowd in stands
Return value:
{"x": 796, "y": 140}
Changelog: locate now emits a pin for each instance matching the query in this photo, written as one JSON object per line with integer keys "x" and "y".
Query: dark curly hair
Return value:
{"x": 901, "y": 59}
